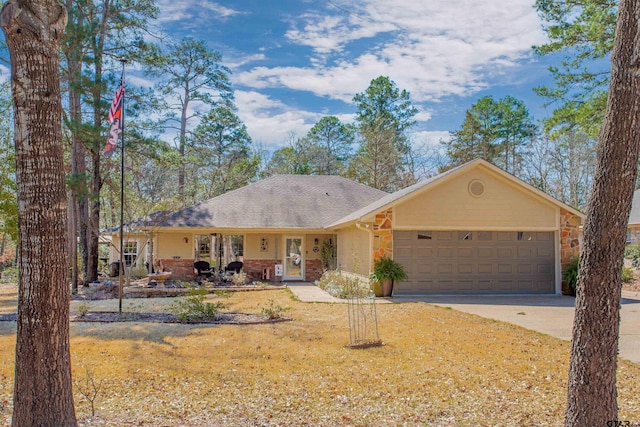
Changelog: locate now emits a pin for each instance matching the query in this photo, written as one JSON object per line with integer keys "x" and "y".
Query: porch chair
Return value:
{"x": 203, "y": 269}
{"x": 234, "y": 266}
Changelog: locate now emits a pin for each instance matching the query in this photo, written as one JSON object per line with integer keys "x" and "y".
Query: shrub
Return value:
{"x": 239, "y": 279}
{"x": 9, "y": 275}
{"x": 138, "y": 272}
{"x": 627, "y": 274}
{"x": 632, "y": 252}
{"x": 273, "y": 311}
{"x": 570, "y": 274}
{"x": 386, "y": 268}
{"x": 342, "y": 285}
{"x": 193, "y": 307}
{"x": 83, "y": 309}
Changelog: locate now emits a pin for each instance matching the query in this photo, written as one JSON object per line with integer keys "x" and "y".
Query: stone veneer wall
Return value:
{"x": 569, "y": 240}
{"x": 383, "y": 235}
{"x": 180, "y": 268}
{"x": 254, "y": 267}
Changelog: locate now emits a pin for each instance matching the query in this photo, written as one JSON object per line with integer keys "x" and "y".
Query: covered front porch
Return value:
{"x": 267, "y": 256}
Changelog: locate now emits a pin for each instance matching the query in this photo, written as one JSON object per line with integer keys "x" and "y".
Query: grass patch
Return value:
{"x": 438, "y": 367}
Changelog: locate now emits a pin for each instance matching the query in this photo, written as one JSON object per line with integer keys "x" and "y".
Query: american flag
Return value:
{"x": 115, "y": 120}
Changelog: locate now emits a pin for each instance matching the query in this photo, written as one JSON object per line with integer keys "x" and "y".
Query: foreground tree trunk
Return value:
{"x": 592, "y": 394}
{"x": 43, "y": 389}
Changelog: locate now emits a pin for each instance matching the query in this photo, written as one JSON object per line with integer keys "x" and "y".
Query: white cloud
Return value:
{"x": 433, "y": 49}
{"x": 430, "y": 138}
{"x": 270, "y": 121}
{"x": 185, "y": 10}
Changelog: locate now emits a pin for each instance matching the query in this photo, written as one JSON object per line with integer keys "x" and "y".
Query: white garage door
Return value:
{"x": 475, "y": 262}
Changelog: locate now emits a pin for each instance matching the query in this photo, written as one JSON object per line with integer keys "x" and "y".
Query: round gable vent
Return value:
{"x": 476, "y": 188}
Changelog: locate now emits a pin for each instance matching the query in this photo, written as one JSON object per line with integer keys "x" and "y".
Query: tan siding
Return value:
{"x": 171, "y": 245}
{"x": 451, "y": 205}
{"x": 354, "y": 250}
{"x": 252, "y": 246}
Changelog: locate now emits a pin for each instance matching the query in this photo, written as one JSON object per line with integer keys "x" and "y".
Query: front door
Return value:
{"x": 293, "y": 262}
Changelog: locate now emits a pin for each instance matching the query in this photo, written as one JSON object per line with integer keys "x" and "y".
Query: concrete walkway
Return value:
{"x": 549, "y": 314}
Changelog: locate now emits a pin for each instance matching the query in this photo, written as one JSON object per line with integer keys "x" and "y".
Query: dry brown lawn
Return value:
{"x": 438, "y": 367}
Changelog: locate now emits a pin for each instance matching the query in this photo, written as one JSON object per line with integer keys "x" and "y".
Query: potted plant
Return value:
{"x": 386, "y": 271}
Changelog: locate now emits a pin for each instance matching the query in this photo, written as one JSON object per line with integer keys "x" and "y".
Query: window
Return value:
{"x": 130, "y": 253}
{"x": 235, "y": 247}
{"x": 203, "y": 247}
{"x": 464, "y": 235}
{"x": 523, "y": 235}
{"x": 424, "y": 235}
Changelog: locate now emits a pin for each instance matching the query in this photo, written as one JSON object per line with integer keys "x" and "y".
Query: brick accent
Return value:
{"x": 569, "y": 240}
{"x": 180, "y": 268}
{"x": 253, "y": 268}
{"x": 383, "y": 235}
{"x": 312, "y": 270}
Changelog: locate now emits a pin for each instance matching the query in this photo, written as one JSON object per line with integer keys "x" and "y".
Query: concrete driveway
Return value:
{"x": 552, "y": 315}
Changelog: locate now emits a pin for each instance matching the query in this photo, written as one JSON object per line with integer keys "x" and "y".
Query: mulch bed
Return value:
{"x": 114, "y": 317}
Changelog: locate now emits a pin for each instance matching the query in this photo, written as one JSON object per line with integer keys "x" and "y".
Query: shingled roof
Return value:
{"x": 279, "y": 202}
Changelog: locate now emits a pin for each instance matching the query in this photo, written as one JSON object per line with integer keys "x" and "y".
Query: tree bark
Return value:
{"x": 43, "y": 388}
{"x": 592, "y": 394}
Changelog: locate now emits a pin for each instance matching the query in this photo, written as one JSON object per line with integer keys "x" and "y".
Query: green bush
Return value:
{"x": 632, "y": 252}
{"x": 627, "y": 274}
{"x": 9, "y": 275}
{"x": 570, "y": 274}
{"x": 386, "y": 268}
{"x": 193, "y": 307}
{"x": 138, "y": 272}
{"x": 273, "y": 311}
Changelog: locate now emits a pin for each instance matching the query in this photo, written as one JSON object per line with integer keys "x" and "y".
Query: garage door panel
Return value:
{"x": 466, "y": 286}
{"x": 505, "y": 268}
{"x": 465, "y": 268}
{"x": 450, "y": 262}
{"x": 465, "y": 252}
{"x": 484, "y": 252}
{"x": 403, "y": 251}
{"x": 505, "y": 252}
{"x": 544, "y": 252}
{"x": 445, "y": 252}
{"x": 485, "y": 268}
{"x": 525, "y": 252}
{"x": 525, "y": 268}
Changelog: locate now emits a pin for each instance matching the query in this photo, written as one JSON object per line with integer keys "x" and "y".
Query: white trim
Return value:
{"x": 558, "y": 256}
{"x": 469, "y": 228}
{"x": 302, "y": 257}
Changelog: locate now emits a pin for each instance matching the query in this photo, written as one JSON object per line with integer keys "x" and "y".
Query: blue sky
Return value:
{"x": 294, "y": 62}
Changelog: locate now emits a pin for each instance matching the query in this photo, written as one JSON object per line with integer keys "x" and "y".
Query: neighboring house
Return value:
{"x": 633, "y": 227}
{"x": 472, "y": 230}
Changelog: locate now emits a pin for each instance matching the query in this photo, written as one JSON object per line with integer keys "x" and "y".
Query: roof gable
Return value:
{"x": 406, "y": 194}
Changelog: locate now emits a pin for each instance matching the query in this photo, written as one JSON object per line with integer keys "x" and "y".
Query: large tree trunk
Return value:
{"x": 43, "y": 389}
{"x": 94, "y": 221}
{"x": 592, "y": 395}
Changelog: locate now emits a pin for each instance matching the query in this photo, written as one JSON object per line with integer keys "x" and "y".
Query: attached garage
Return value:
{"x": 474, "y": 230}
{"x": 475, "y": 262}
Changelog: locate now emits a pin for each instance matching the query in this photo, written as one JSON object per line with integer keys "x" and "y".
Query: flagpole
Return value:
{"x": 122, "y": 266}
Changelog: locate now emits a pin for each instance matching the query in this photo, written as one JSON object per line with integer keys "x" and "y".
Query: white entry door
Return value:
{"x": 293, "y": 261}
